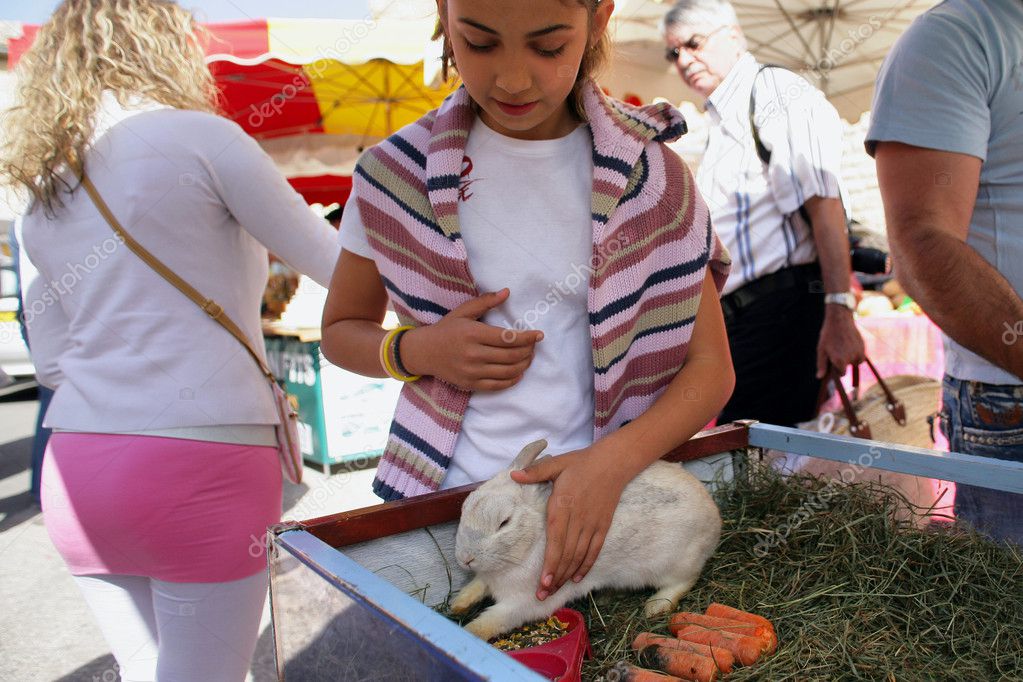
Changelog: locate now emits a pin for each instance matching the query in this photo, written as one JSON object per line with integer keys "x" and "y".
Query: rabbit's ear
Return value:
{"x": 528, "y": 454}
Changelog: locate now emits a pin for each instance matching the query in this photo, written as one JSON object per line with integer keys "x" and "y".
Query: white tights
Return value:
{"x": 177, "y": 632}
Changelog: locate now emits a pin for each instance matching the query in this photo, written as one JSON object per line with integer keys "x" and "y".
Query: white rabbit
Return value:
{"x": 664, "y": 529}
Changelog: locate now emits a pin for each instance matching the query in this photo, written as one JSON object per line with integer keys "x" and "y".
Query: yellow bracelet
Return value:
{"x": 393, "y": 348}
{"x": 385, "y": 356}
{"x": 388, "y": 365}
{"x": 383, "y": 352}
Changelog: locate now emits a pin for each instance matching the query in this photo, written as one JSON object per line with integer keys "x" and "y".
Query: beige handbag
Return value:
{"x": 288, "y": 446}
{"x": 897, "y": 410}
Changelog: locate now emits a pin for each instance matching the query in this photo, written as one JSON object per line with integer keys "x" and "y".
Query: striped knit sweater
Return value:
{"x": 652, "y": 244}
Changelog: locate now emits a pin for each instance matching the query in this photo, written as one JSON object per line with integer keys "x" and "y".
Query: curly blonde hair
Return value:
{"x": 595, "y": 58}
{"x": 147, "y": 49}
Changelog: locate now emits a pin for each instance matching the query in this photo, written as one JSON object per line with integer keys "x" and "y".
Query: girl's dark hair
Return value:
{"x": 595, "y": 58}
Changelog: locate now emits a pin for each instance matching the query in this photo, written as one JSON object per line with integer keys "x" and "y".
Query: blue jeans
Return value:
{"x": 42, "y": 437}
{"x": 986, "y": 420}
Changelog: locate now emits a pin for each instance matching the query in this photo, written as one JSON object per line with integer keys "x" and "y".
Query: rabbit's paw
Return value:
{"x": 664, "y": 600}
{"x": 472, "y": 593}
{"x": 657, "y": 607}
{"x": 490, "y": 624}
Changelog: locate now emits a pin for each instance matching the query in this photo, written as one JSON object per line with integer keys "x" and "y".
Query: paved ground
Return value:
{"x": 46, "y": 632}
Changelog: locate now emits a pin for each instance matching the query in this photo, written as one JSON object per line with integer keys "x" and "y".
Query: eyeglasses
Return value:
{"x": 695, "y": 43}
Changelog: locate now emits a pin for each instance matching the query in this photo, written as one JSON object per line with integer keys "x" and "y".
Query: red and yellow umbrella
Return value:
{"x": 318, "y": 92}
{"x": 358, "y": 79}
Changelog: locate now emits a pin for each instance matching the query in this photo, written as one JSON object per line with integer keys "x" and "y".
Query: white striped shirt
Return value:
{"x": 755, "y": 210}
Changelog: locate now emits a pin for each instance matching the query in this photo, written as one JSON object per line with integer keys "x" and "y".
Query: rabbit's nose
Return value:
{"x": 467, "y": 560}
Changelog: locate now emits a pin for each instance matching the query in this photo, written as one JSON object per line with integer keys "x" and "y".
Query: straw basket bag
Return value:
{"x": 897, "y": 410}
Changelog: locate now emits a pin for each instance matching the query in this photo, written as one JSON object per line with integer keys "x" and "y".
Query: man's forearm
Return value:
{"x": 964, "y": 295}
{"x": 840, "y": 342}
{"x": 829, "y": 234}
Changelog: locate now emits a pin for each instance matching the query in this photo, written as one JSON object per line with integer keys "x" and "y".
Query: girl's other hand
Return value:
{"x": 579, "y": 512}
{"x": 468, "y": 353}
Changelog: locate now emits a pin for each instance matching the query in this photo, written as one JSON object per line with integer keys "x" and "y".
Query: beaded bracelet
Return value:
{"x": 387, "y": 347}
{"x": 396, "y": 348}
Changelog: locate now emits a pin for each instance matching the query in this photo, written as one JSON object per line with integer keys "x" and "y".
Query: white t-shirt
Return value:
{"x": 524, "y": 215}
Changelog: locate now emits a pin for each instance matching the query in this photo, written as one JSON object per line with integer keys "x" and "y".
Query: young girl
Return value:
{"x": 600, "y": 330}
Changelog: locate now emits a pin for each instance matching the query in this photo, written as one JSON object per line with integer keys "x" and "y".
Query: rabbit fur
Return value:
{"x": 664, "y": 529}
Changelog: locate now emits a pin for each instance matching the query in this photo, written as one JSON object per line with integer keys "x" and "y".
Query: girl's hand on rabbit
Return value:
{"x": 468, "y": 353}
{"x": 586, "y": 492}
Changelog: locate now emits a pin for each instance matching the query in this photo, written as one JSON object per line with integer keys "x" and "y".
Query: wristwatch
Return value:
{"x": 846, "y": 298}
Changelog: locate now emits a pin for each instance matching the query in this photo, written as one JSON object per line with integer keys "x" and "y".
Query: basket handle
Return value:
{"x": 895, "y": 407}
{"x": 857, "y": 427}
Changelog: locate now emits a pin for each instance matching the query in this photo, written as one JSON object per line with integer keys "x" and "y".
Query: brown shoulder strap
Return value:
{"x": 208, "y": 305}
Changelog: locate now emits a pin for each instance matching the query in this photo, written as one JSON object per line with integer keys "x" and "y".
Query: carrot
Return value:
{"x": 723, "y": 657}
{"x": 683, "y": 664}
{"x": 761, "y": 632}
{"x": 722, "y": 611}
{"x": 745, "y": 649}
{"x": 625, "y": 672}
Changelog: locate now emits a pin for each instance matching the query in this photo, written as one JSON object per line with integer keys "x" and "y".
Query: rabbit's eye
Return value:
{"x": 504, "y": 523}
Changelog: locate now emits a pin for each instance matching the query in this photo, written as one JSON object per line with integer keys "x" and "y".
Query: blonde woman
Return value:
{"x": 162, "y": 475}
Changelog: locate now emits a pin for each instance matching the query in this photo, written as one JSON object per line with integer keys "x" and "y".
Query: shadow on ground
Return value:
{"x": 15, "y": 457}
{"x": 102, "y": 669}
{"x": 16, "y": 510}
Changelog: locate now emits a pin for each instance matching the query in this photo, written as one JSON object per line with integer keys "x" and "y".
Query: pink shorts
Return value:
{"x": 166, "y": 508}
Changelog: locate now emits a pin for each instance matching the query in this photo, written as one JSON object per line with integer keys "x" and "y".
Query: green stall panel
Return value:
{"x": 343, "y": 417}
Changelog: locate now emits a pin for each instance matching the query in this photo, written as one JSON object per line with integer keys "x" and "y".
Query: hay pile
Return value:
{"x": 853, "y": 593}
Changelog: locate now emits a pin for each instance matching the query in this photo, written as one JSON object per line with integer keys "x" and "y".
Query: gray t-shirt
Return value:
{"x": 954, "y": 82}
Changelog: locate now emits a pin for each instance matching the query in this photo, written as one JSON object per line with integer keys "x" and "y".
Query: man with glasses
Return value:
{"x": 787, "y": 303}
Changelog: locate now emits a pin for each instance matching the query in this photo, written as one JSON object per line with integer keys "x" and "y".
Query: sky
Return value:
{"x": 37, "y": 11}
